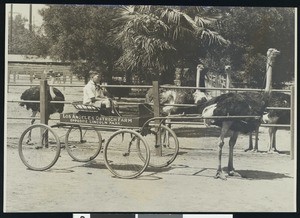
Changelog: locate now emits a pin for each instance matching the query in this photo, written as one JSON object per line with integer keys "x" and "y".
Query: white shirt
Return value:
{"x": 90, "y": 91}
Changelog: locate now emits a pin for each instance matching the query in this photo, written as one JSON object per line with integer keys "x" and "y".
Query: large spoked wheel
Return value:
{"x": 122, "y": 154}
{"x": 83, "y": 144}
{"x": 164, "y": 137}
{"x": 39, "y": 147}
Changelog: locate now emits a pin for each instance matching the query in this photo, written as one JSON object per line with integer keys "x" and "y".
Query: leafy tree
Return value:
{"x": 24, "y": 41}
{"x": 252, "y": 31}
{"x": 80, "y": 34}
{"x": 155, "y": 39}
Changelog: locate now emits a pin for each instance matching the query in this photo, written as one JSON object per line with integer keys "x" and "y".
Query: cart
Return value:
{"x": 136, "y": 142}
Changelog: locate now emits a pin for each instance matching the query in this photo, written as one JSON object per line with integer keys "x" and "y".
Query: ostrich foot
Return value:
{"x": 233, "y": 173}
{"x": 248, "y": 149}
{"x": 273, "y": 151}
{"x": 251, "y": 149}
{"x": 220, "y": 175}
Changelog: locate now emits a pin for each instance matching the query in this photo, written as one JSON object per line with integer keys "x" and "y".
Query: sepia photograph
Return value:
{"x": 150, "y": 109}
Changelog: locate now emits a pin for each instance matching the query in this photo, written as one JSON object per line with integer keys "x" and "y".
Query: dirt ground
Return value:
{"x": 267, "y": 182}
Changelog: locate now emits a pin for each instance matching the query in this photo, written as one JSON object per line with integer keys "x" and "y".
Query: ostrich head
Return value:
{"x": 272, "y": 54}
{"x": 267, "y": 118}
{"x": 227, "y": 69}
{"x": 168, "y": 97}
{"x": 200, "y": 67}
{"x": 200, "y": 97}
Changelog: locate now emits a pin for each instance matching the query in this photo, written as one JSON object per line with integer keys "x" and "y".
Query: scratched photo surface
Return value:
{"x": 139, "y": 108}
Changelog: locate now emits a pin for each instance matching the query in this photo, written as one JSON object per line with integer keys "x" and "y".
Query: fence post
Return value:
{"x": 15, "y": 76}
{"x": 9, "y": 73}
{"x": 64, "y": 79}
{"x": 44, "y": 87}
{"x": 156, "y": 107}
{"x": 71, "y": 77}
{"x": 31, "y": 77}
{"x": 292, "y": 128}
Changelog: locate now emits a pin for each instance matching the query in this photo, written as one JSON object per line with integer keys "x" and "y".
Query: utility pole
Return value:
{"x": 30, "y": 17}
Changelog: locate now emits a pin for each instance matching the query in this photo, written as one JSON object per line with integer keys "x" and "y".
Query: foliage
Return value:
{"x": 23, "y": 41}
{"x": 80, "y": 34}
{"x": 156, "y": 39}
{"x": 252, "y": 31}
{"x": 153, "y": 40}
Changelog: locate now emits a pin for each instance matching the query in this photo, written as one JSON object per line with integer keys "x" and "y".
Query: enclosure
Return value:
{"x": 267, "y": 182}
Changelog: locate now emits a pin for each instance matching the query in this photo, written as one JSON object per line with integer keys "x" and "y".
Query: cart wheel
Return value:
{"x": 83, "y": 144}
{"x": 169, "y": 145}
{"x": 39, "y": 147}
{"x": 122, "y": 154}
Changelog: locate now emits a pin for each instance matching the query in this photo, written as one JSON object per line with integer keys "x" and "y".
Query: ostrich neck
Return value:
{"x": 198, "y": 78}
{"x": 228, "y": 80}
{"x": 51, "y": 89}
{"x": 269, "y": 75}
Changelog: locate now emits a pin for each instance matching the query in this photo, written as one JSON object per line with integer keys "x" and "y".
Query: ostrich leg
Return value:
{"x": 31, "y": 122}
{"x": 256, "y": 139}
{"x": 250, "y": 148}
{"x": 272, "y": 142}
{"x": 232, "y": 142}
{"x": 225, "y": 127}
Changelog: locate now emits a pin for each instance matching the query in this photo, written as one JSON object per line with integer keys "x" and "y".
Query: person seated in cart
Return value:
{"x": 93, "y": 94}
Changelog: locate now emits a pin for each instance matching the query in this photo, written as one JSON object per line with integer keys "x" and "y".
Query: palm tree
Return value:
{"x": 156, "y": 38}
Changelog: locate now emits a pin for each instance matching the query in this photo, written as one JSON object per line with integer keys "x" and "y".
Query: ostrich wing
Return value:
{"x": 280, "y": 100}
{"x": 237, "y": 104}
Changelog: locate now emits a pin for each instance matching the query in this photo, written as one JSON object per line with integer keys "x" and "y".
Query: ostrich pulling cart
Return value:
{"x": 126, "y": 152}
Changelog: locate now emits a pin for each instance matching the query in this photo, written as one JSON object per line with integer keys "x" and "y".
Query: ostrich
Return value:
{"x": 182, "y": 96}
{"x": 33, "y": 94}
{"x": 237, "y": 104}
{"x": 272, "y": 117}
{"x": 277, "y": 99}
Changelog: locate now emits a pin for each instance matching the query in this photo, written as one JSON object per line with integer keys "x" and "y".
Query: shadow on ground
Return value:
{"x": 198, "y": 132}
{"x": 260, "y": 175}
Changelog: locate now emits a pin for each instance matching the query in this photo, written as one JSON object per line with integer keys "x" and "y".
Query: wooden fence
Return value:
{"x": 156, "y": 103}
{"x": 36, "y": 69}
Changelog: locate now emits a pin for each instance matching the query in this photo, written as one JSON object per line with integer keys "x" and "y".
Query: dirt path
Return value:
{"x": 266, "y": 182}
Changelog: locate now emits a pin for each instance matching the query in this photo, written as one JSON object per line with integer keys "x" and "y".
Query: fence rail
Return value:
{"x": 156, "y": 103}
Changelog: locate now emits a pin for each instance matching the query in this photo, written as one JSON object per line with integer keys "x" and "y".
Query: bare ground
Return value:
{"x": 266, "y": 183}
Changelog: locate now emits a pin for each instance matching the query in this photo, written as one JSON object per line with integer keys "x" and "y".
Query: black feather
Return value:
{"x": 238, "y": 104}
{"x": 280, "y": 100}
{"x": 33, "y": 94}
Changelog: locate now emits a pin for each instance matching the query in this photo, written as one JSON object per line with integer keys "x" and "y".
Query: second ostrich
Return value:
{"x": 277, "y": 99}
{"x": 33, "y": 94}
{"x": 182, "y": 96}
{"x": 238, "y": 104}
